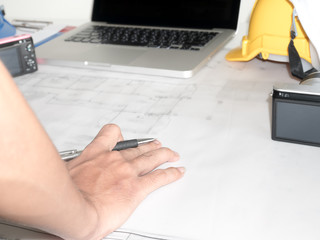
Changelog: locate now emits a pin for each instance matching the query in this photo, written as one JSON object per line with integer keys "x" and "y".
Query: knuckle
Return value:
{"x": 161, "y": 176}
{"x": 127, "y": 168}
{"x": 115, "y": 155}
{"x": 111, "y": 126}
{"x": 171, "y": 173}
{"x": 167, "y": 151}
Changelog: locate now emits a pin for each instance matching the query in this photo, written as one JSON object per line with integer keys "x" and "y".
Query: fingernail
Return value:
{"x": 182, "y": 169}
{"x": 176, "y": 157}
{"x": 156, "y": 142}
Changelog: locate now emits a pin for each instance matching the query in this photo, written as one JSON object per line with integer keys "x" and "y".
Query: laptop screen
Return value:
{"x": 200, "y": 14}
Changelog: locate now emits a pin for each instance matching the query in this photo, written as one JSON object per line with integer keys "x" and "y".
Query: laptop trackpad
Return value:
{"x": 113, "y": 55}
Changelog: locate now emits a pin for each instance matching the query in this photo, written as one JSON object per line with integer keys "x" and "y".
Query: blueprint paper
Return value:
{"x": 239, "y": 184}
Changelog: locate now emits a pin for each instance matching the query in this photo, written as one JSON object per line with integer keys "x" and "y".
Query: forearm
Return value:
{"x": 60, "y": 214}
{"x": 35, "y": 185}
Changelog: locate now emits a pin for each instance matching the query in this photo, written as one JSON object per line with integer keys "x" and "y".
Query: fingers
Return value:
{"x": 160, "y": 177}
{"x": 104, "y": 141}
{"x": 150, "y": 160}
{"x": 108, "y": 137}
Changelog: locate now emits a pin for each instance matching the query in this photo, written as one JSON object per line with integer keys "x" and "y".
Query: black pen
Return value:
{"x": 131, "y": 143}
{"x": 122, "y": 145}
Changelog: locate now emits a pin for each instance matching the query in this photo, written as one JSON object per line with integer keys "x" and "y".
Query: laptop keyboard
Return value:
{"x": 144, "y": 37}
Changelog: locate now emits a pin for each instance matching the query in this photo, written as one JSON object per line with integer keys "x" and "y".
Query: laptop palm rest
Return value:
{"x": 92, "y": 53}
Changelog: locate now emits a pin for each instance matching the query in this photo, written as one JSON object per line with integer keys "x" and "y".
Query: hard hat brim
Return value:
{"x": 236, "y": 55}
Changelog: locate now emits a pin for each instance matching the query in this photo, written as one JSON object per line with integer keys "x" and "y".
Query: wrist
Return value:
{"x": 82, "y": 223}
{"x": 88, "y": 224}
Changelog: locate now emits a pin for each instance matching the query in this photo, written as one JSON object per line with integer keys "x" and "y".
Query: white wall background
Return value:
{"x": 78, "y": 11}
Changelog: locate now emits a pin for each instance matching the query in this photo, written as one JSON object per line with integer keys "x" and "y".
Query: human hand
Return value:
{"x": 115, "y": 182}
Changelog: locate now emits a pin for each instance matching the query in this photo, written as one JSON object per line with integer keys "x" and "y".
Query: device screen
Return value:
{"x": 10, "y": 58}
{"x": 204, "y": 14}
{"x": 297, "y": 121}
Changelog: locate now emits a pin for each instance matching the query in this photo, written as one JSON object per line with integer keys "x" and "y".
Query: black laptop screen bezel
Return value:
{"x": 174, "y": 13}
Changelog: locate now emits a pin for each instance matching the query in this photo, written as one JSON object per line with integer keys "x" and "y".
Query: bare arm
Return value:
{"x": 85, "y": 199}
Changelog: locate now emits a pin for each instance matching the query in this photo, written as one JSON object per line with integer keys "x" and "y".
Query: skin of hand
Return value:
{"x": 86, "y": 198}
{"x": 115, "y": 182}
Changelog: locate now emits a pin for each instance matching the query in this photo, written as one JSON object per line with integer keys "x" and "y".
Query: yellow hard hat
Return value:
{"x": 269, "y": 33}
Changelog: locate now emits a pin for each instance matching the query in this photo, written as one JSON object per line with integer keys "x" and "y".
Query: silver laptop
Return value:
{"x": 172, "y": 38}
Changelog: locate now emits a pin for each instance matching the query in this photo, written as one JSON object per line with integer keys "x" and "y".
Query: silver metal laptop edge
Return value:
{"x": 46, "y": 54}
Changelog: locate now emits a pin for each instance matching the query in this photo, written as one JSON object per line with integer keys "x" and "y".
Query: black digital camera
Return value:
{"x": 18, "y": 54}
{"x": 296, "y": 112}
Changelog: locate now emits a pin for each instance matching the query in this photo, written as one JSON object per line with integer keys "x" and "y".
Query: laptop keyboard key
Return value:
{"x": 145, "y": 37}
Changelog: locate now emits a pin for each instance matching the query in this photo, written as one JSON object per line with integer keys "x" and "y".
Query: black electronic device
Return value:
{"x": 296, "y": 113}
{"x": 18, "y": 54}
